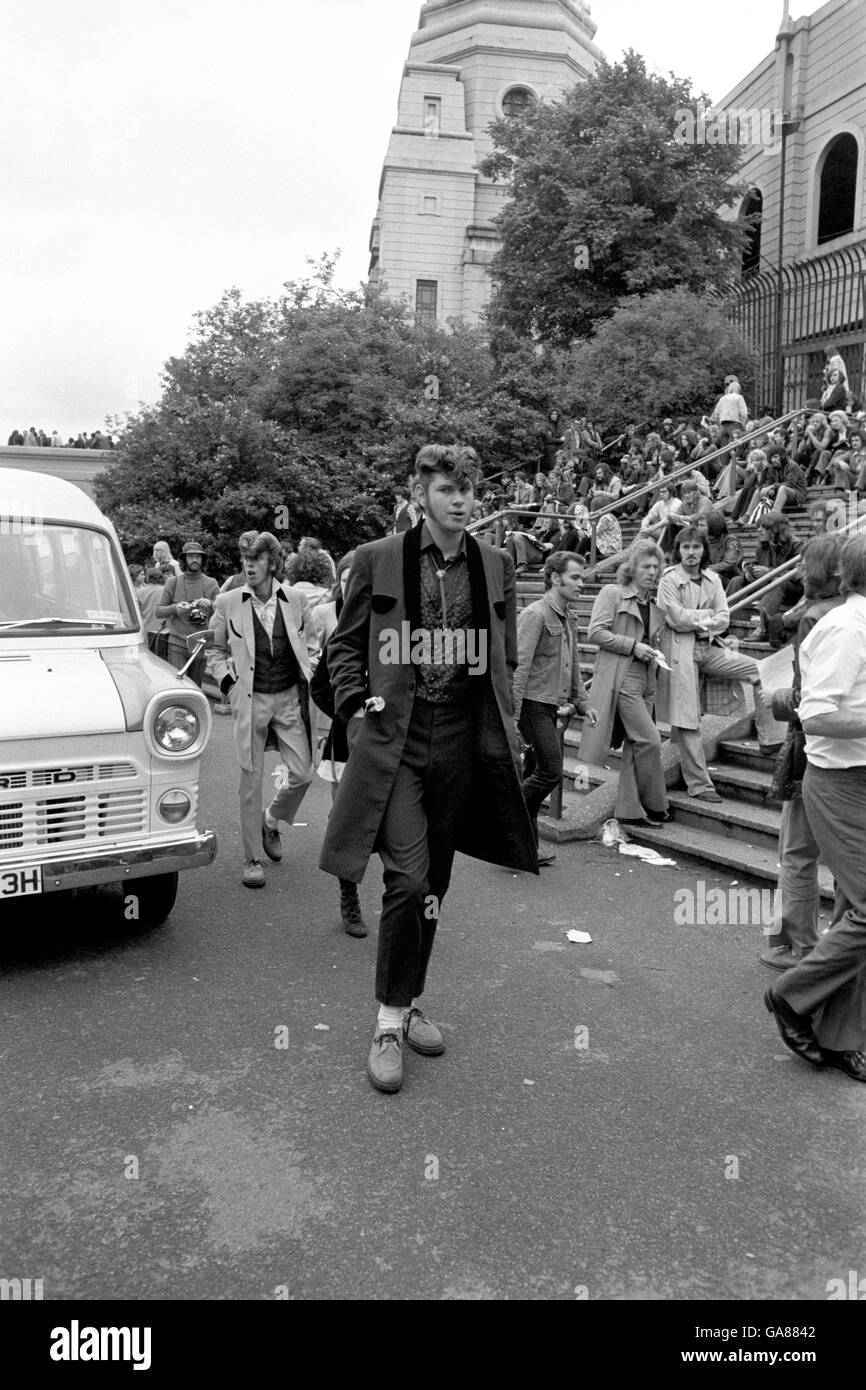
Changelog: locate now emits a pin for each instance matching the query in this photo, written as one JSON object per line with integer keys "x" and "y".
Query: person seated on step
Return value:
{"x": 530, "y": 547}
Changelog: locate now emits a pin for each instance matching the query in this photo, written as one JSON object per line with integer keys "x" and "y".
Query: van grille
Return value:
{"x": 90, "y": 815}
{"x": 24, "y": 778}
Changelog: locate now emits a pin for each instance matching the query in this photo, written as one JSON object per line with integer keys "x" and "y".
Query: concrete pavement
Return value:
{"x": 187, "y": 1113}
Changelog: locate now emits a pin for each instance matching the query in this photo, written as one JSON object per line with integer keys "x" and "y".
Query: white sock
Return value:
{"x": 390, "y": 1016}
{"x": 408, "y": 1007}
{"x": 270, "y": 821}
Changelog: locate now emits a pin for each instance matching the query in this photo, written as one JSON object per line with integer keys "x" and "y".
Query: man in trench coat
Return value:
{"x": 624, "y": 686}
{"x": 421, "y": 663}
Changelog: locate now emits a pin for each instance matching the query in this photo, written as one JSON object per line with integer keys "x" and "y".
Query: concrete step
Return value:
{"x": 744, "y": 784}
{"x": 735, "y": 819}
{"x": 581, "y": 778}
{"x": 744, "y": 753}
{"x": 757, "y": 860}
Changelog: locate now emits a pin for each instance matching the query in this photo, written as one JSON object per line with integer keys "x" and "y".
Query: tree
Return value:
{"x": 666, "y": 353}
{"x": 302, "y": 413}
{"x": 603, "y": 168}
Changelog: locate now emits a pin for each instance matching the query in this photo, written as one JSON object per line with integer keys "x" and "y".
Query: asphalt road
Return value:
{"x": 517, "y": 1166}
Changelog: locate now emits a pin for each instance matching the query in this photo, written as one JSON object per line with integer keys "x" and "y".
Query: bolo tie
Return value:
{"x": 440, "y": 575}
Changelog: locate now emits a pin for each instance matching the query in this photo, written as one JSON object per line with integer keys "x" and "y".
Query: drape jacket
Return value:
{"x": 384, "y": 596}
{"x": 233, "y": 655}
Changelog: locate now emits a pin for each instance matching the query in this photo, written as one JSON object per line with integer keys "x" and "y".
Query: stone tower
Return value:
{"x": 470, "y": 61}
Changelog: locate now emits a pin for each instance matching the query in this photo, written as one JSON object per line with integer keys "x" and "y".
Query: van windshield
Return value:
{"x": 60, "y": 578}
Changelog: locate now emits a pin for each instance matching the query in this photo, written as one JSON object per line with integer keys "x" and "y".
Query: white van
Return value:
{"x": 100, "y": 741}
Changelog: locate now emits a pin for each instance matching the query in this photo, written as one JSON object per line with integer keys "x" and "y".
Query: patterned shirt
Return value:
{"x": 442, "y": 680}
{"x": 265, "y": 612}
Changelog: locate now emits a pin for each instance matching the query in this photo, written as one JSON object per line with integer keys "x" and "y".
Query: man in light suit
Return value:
{"x": 260, "y": 659}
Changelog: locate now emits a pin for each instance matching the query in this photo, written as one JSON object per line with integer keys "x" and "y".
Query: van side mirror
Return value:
{"x": 195, "y": 643}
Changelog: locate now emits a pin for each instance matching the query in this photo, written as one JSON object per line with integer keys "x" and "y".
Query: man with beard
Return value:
{"x": 187, "y": 601}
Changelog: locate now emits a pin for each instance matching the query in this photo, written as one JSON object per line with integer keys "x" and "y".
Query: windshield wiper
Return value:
{"x": 62, "y": 622}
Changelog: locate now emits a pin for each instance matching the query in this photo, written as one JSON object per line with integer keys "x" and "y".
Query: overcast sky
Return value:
{"x": 156, "y": 152}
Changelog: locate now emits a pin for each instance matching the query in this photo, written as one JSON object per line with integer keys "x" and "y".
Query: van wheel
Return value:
{"x": 155, "y": 898}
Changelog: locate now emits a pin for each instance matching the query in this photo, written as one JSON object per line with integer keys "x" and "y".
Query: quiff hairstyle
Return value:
{"x": 264, "y": 542}
{"x": 455, "y": 461}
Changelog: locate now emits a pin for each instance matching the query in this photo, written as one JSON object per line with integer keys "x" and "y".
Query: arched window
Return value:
{"x": 837, "y": 195}
{"x": 752, "y": 208}
{"x": 517, "y": 100}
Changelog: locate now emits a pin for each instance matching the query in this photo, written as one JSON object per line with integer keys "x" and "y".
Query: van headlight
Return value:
{"x": 176, "y": 728}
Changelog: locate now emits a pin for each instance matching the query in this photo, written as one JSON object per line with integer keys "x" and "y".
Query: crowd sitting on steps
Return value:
{"x": 577, "y": 475}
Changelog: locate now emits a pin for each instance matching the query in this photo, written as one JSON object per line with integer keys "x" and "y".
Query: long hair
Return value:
{"x": 853, "y": 565}
{"x": 821, "y": 556}
{"x": 692, "y": 533}
{"x": 640, "y": 548}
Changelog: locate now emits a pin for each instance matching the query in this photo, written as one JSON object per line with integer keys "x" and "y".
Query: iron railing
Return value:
{"x": 823, "y": 300}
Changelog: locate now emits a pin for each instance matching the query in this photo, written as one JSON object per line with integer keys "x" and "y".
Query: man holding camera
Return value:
{"x": 187, "y": 601}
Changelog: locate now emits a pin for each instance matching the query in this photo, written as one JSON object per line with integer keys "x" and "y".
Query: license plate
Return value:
{"x": 17, "y": 883}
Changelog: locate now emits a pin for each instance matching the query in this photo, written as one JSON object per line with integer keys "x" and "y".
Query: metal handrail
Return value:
{"x": 680, "y": 472}
{"x": 647, "y": 488}
{"x": 745, "y": 597}
{"x": 758, "y": 588}
{"x": 497, "y": 518}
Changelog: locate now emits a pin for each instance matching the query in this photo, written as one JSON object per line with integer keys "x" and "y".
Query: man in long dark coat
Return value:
{"x": 421, "y": 663}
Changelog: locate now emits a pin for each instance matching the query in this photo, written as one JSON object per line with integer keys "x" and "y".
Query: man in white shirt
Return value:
{"x": 660, "y": 513}
{"x": 819, "y": 1005}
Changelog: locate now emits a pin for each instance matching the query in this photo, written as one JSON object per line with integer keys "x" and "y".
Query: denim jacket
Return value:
{"x": 548, "y": 667}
